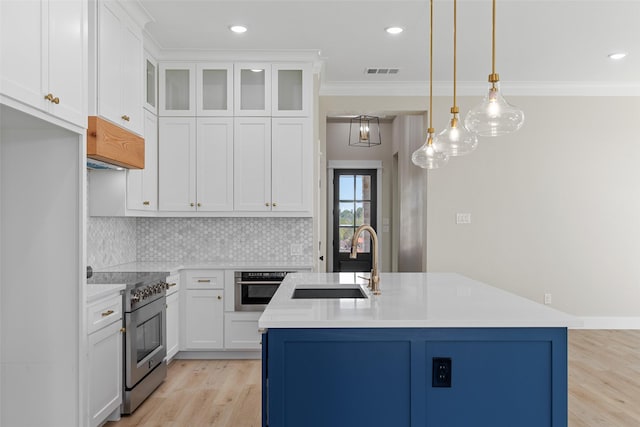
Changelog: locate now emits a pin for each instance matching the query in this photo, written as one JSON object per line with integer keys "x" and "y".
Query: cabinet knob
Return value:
{"x": 49, "y": 97}
{"x": 274, "y": 204}
{"x": 219, "y": 297}
{"x": 123, "y": 330}
{"x": 107, "y": 313}
{"x": 126, "y": 118}
{"x": 199, "y": 204}
{"x": 267, "y": 204}
{"x": 146, "y": 203}
{"x": 192, "y": 204}
{"x": 56, "y": 100}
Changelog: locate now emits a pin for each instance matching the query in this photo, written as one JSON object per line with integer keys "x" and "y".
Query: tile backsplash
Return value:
{"x": 115, "y": 241}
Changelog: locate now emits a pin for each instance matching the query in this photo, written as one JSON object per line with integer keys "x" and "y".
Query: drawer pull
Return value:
{"x": 171, "y": 285}
{"x": 107, "y": 313}
{"x": 204, "y": 281}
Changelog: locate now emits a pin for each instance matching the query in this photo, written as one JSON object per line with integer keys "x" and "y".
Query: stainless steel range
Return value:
{"x": 145, "y": 325}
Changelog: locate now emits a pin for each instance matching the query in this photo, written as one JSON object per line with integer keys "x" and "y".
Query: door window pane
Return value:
{"x": 346, "y": 187}
{"x": 363, "y": 187}
{"x": 346, "y": 234}
{"x": 346, "y": 214}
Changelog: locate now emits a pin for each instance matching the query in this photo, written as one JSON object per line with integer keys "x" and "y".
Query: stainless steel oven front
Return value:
{"x": 145, "y": 345}
{"x": 254, "y": 289}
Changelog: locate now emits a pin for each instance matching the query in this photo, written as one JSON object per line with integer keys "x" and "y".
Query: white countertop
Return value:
{"x": 96, "y": 292}
{"x": 411, "y": 300}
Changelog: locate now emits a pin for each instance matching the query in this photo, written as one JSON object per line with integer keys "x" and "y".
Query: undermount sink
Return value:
{"x": 320, "y": 293}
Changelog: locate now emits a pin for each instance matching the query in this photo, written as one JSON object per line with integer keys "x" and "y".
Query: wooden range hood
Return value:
{"x": 114, "y": 145}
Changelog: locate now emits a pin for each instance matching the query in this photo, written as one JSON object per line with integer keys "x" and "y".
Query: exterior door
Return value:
{"x": 354, "y": 204}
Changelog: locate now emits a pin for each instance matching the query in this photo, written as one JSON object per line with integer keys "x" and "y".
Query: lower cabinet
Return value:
{"x": 173, "y": 316}
{"x": 105, "y": 359}
{"x": 241, "y": 331}
{"x": 204, "y": 317}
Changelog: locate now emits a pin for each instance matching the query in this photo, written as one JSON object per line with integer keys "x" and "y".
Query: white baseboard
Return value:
{"x": 610, "y": 323}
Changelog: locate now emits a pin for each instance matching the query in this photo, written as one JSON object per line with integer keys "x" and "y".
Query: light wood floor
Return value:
{"x": 604, "y": 388}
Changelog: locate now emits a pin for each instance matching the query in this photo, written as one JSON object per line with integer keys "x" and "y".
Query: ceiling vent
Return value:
{"x": 371, "y": 71}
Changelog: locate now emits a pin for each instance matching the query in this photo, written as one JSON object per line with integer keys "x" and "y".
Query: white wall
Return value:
{"x": 555, "y": 207}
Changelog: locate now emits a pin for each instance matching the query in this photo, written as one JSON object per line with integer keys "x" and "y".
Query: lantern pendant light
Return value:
{"x": 494, "y": 116}
{"x": 428, "y": 156}
{"x": 456, "y": 140}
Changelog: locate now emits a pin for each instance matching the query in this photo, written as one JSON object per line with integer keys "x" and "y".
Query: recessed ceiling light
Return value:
{"x": 394, "y": 30}
{"x": 238, "y": 29}
{"x": 617, "y": 55}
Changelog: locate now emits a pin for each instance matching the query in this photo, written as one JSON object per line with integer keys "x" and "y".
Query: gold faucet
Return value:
{"x": 374, "y": 281}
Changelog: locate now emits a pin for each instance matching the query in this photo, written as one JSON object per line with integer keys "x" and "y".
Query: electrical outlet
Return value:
{"x": 463, "y": 218}
{"x": 295, "y": 248}
{"x": 547, "y": 298}
{"x": 441, "y": 376}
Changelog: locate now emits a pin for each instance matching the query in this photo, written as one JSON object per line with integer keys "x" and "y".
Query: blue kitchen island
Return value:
{"x": 434, "y": 349}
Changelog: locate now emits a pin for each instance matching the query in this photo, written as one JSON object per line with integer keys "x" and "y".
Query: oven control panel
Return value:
{"x": 148, "y": 292}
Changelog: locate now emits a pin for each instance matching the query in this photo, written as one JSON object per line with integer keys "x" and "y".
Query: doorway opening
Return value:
{"x": 355, "y": 202}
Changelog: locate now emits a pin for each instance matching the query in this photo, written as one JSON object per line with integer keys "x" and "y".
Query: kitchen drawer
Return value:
{"x": 104, "y": 312}
{"x": 174, "y": 284}
{"x": 205, "y": 279}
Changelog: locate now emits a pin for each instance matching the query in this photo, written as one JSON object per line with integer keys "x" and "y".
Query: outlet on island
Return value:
{"x": 441, "y": 376}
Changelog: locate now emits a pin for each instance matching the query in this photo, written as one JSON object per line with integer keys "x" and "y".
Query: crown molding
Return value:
{"x": 557, "y": 88}
{"x": 302, "y": 55}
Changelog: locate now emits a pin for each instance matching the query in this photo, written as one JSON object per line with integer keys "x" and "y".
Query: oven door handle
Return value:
{"x": 261, "y": 282}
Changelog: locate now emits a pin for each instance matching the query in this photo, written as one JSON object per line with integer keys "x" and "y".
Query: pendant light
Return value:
{"x": 428, "y": 156}
{"x": 456, "y": 140}
{"x": 494, "y": 116}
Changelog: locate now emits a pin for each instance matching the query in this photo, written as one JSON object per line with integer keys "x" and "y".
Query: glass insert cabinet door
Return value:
{"x": 354, "y": 204}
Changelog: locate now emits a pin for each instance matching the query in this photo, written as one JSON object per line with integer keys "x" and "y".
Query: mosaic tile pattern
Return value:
{"x": 193, "y": 240}
{"x": 110, "y": 241}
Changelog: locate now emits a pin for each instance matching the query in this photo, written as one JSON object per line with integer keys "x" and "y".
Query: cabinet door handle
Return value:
{"x": 107, "y": 313}
{"x": 146, "y": 203}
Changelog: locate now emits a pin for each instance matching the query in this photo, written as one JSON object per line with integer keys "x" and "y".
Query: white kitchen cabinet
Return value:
{"x": 214, "y": 89}
{"x": 252, "y": 164}
{"x": 291, "y": 90}
{"x": 252, "y": 93}
{"x": 151, "y": 83}
{"x": 105, "y": 358}
{"x": 196, "y": 164}
{"x": 241, "y": 331}
{"x": 177, "y": 164}
{"x": 120, "y": 68}
{"x": 291, "y": 165}
{"x": 202, "y": 326}
{"x": 43, "y": 56}
{"x": 177, "y": 89}
{"x": 273, "y": 164}
{"x": 142, "y": 184}
{"x": 173, "y": 316}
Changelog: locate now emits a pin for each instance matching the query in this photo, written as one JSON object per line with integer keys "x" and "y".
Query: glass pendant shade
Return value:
{"x": 456, "y": 140}
{"x": 428, "y": 156}
{"x": 494, "y": 116}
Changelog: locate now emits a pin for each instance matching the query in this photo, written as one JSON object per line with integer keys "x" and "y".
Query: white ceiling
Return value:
{"x": 543, "y": 47}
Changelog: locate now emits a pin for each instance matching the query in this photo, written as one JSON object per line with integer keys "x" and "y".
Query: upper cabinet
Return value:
{"x": 43, "y": 56}
{"x": 291, "y": 90}
{"x": 252, "y": 94}
{"x": 151, "y": 84}
{"x": 120, "y": 68}
{"x": 177, "y": 89}
{"x": 214, "y": 89}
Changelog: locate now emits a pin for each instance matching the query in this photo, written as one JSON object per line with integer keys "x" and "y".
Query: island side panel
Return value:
{"x": 381, "y": 377}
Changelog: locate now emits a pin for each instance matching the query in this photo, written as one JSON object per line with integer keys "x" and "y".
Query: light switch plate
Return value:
{"x": 463, "y": 218}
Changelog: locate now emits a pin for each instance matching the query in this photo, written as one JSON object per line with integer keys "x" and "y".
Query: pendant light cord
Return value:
{"x": 431, "y": 130}
{"x": 455, "y": 20}
{"x": 493, "y": 40}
